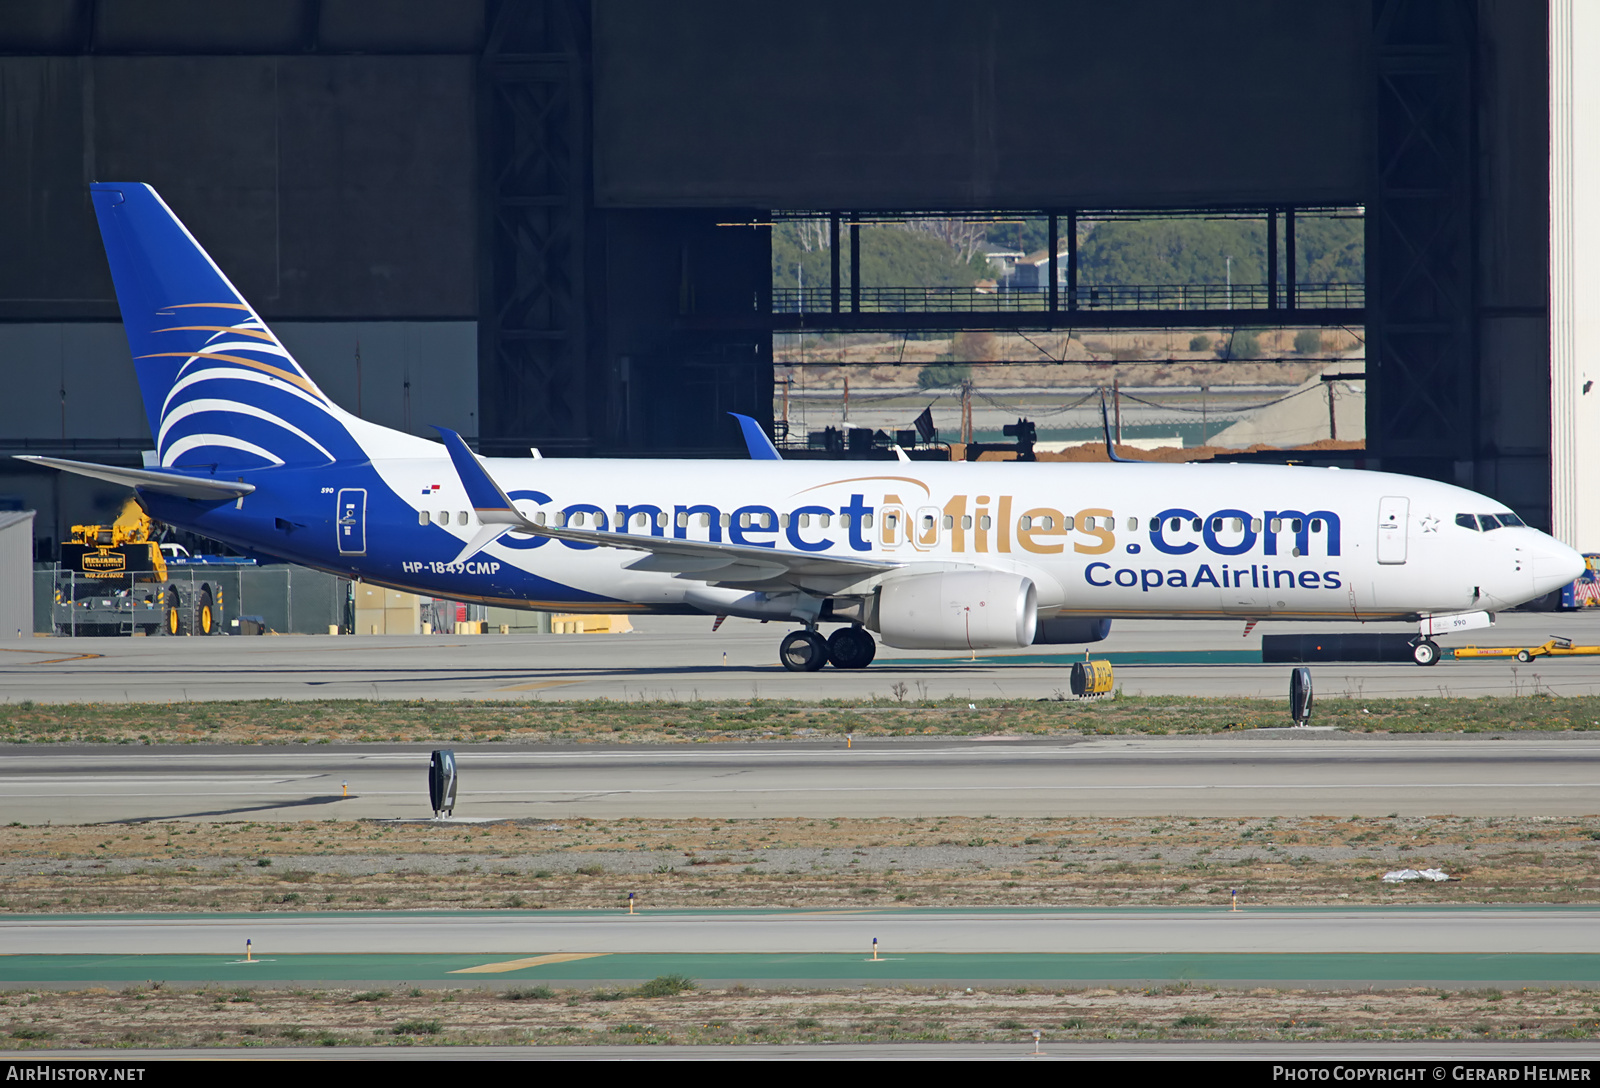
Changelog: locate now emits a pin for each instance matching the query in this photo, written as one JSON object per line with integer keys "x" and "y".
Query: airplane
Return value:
{"x": 938, "y": 556}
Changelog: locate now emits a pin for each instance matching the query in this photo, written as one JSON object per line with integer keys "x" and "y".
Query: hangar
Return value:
{"x": 547, "y": 223}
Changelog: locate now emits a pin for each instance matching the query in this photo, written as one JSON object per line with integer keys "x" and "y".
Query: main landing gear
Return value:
{"x": 846, "y": 648}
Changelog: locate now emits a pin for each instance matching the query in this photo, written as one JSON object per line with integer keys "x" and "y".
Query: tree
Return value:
{"x": 942, "y": 374}
{"x": 1244, "y": 345}
{"x": 1307, "y": 341}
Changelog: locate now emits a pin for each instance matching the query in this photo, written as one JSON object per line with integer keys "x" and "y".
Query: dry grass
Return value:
{"x": 955, "y": 861}
{"x": 143, "y": 1016}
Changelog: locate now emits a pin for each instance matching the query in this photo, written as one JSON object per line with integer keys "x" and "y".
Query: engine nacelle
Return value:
{"x": 958, "y": 610}
{"x": 1056, "y": 630}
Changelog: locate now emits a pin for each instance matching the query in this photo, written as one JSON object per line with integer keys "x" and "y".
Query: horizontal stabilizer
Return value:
{"x": 165, "y": 483}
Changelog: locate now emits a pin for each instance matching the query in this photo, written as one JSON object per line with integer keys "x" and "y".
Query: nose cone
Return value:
{"x": 1554, "y": 564}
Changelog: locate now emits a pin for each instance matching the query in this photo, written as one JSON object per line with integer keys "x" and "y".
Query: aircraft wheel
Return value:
{"x": 1524, "y": 656}
{"x": 803, "y": 651}
{"x": 851, "y": 648}
{"x": 1425, "y": 652}
{"x": 174, "y": 611}
{"x": 207, "y": 619}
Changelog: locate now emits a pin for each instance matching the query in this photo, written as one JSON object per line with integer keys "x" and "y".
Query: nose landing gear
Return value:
{"x": 846, "y": 648}
{"x": 1425, "y": 652}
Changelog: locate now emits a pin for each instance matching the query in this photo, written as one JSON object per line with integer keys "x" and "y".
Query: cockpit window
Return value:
{"x": 1484, "y": 523}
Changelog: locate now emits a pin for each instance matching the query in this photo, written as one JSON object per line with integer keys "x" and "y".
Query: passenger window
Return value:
{"x": 1238, "y": 525}
{"x": 1195, "y": 525}
{"x": 984, "y": 521}
{"x": 461, "y": 518}
{"x": 1297, "y": 525}
{"x": 1275, "y": 525}
{"x": 1316, "y": 525}
{"x": 1216, "y": 525}
{"x": 844, "y": 521}
{"x": 1255, "y": 525}
{"x": 1111, "y": 523}
{"x": 444, "y": 517}
{"x": 744, "y": 521}
{"x": 966, "y": 521}
{"x": 866, "y": 521}
{"x": 1175, "y": 525}
{"x": 561, "y": 519}
{"x": 538, "y": 519}
{"x": 927, "y": 523}
{"x": 805, "y": 521}
{"x": 1088, "y": 523}
{"x": 1133, "y": 525}
{"x": 1067, "y": 523}
{"x": 578, "y": 519}
{"x": 683, "y": 520}
{"x": 1026, "y": 522}
{"x": 725, "y": 521}
{"x": 705, "y": 521}
{"x": 949, "y": 521}
{"x": 783, "y": 521}
{"x": 661, "y": 521}
{"x": 422, "y": 517}
{"x": 824, "y": 519}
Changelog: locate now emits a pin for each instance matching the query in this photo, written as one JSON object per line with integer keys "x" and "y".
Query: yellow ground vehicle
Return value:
{"x": 114, "y": 581}
{"x": 1556, "y": 646}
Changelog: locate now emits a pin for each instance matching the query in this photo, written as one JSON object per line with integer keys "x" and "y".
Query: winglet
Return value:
{"x": 756, "y": 440}
{"x": 1105, "y": 423}
{"x": 484, "y": 494}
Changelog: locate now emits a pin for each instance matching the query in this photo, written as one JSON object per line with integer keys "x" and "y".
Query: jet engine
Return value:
{"x": 957, "y": 610}
{"x": 1056, "y": 630}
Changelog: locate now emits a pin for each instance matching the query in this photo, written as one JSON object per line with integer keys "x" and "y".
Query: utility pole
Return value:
{"x": 966, "y": 412}
{"x": 847, "y": 398}
{"x": 1116, "y": 407}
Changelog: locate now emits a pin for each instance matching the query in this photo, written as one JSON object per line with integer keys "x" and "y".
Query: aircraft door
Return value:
{"x": 892, "y": 522}
{"x": 1393, "y": 514}
{"x": 352, "y": 521}
{"x": 925, "y": 533}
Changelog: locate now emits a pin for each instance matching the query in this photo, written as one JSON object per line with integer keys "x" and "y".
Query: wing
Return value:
{"x": 736, "y": 566}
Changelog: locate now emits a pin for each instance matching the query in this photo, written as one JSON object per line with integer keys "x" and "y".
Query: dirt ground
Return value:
{"x": 884, "y": 863}
{"x": 142, "y": 1016}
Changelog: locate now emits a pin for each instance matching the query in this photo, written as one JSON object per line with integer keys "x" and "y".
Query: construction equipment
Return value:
{"x": 1557, "y": 646}
{"x": 114, "y": 581}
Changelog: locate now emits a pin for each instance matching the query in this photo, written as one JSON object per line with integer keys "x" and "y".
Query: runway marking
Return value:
{"x": 532, "y": 961}
{"x": 49, "y": 661}
{"x": 539, "y": 686}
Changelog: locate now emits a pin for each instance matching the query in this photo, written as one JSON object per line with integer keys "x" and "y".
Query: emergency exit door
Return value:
{"x": 352, "y": 521}
{"x": 1393, "y": 514}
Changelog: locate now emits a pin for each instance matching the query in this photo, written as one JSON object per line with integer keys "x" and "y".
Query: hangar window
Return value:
{"x": 422, "y": 517}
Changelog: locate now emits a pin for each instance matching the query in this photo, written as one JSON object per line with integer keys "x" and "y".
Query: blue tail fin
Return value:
{"x": 219, "y": 388}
